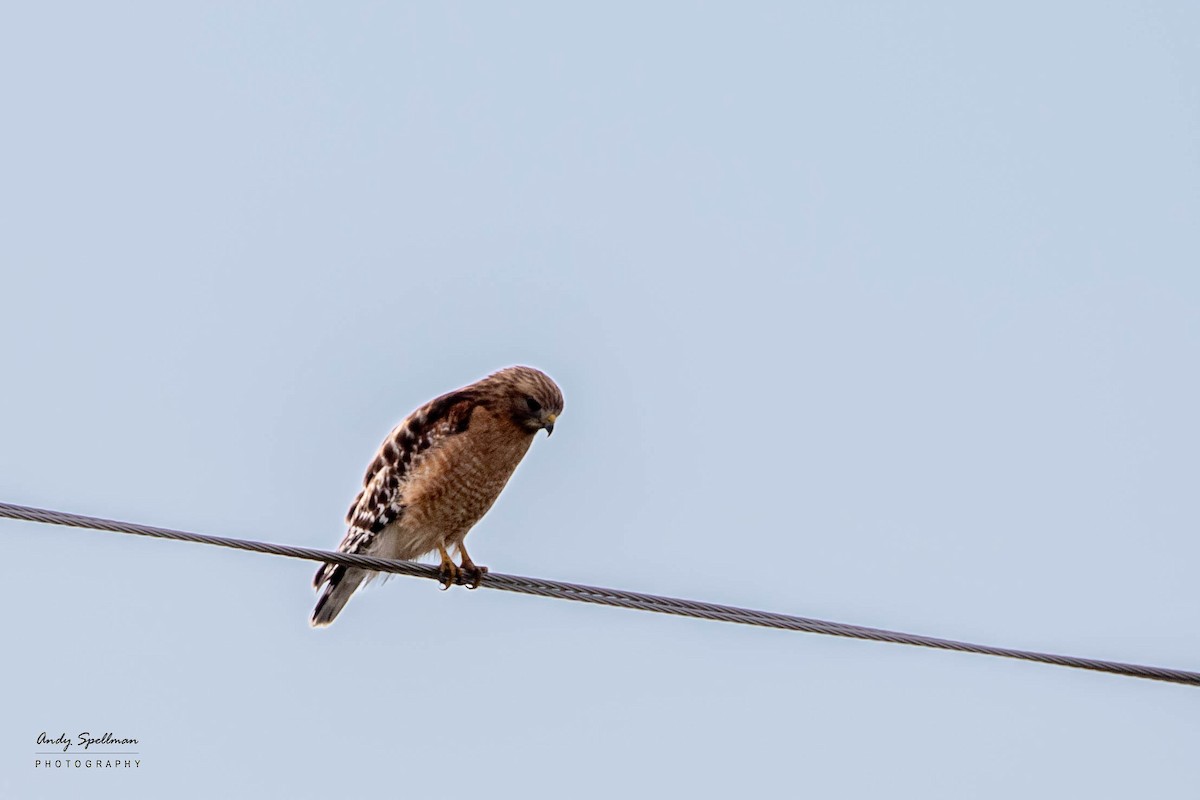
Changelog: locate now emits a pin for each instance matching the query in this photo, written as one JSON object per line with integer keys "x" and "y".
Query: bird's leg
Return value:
{"x": 448, "y": 572}
{"x": 471, "y": 574}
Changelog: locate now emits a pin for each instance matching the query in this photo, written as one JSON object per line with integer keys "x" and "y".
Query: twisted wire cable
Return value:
{"x": 604, "y": 596}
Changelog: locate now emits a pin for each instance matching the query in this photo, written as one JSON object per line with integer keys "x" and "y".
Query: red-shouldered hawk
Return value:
{"x": 436, "y": 475}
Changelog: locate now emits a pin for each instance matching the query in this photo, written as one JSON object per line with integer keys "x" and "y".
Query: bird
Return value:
{"x": 435, "y": 475}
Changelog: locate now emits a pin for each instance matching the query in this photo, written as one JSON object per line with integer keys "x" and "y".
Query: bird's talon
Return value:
{"x": 449, "y": 574}
{"x": 470, "y": 576}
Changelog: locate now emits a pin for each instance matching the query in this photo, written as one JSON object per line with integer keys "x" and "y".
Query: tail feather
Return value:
{"x": 340, "y": 583}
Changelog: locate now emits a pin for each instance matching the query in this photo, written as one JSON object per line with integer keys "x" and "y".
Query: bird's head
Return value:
{"x": 533, "y": 400}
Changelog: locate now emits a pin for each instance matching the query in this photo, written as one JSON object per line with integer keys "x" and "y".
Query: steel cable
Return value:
{"x": 603, "y": 596}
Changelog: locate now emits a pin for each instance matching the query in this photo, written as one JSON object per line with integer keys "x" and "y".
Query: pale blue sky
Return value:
{"x": 883, "y": 313}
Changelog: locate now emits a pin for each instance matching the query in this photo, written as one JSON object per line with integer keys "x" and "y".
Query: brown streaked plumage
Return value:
{"x": 436, "y": 474}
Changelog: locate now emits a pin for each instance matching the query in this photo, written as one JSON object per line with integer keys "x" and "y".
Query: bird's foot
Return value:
{"x": 449, "y": 574}
{"x": 470, "y": 575}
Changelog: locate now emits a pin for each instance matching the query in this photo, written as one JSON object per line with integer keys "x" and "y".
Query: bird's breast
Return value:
{"x": 458, "y": 481}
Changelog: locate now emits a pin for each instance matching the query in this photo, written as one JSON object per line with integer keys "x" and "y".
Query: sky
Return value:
{"x": 882, "y": 313}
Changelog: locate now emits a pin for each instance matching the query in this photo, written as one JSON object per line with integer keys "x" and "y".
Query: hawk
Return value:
{"x": 436, "y": 474}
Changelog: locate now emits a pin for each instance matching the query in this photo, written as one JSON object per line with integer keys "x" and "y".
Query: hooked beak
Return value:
{"x": 549, "y": 426}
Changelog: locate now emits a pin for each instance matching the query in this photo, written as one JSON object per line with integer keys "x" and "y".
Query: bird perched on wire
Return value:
{"x": 436, "y": 474}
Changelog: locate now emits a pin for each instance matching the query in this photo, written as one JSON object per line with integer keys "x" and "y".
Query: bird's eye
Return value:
{"x": 534, "y": 405}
